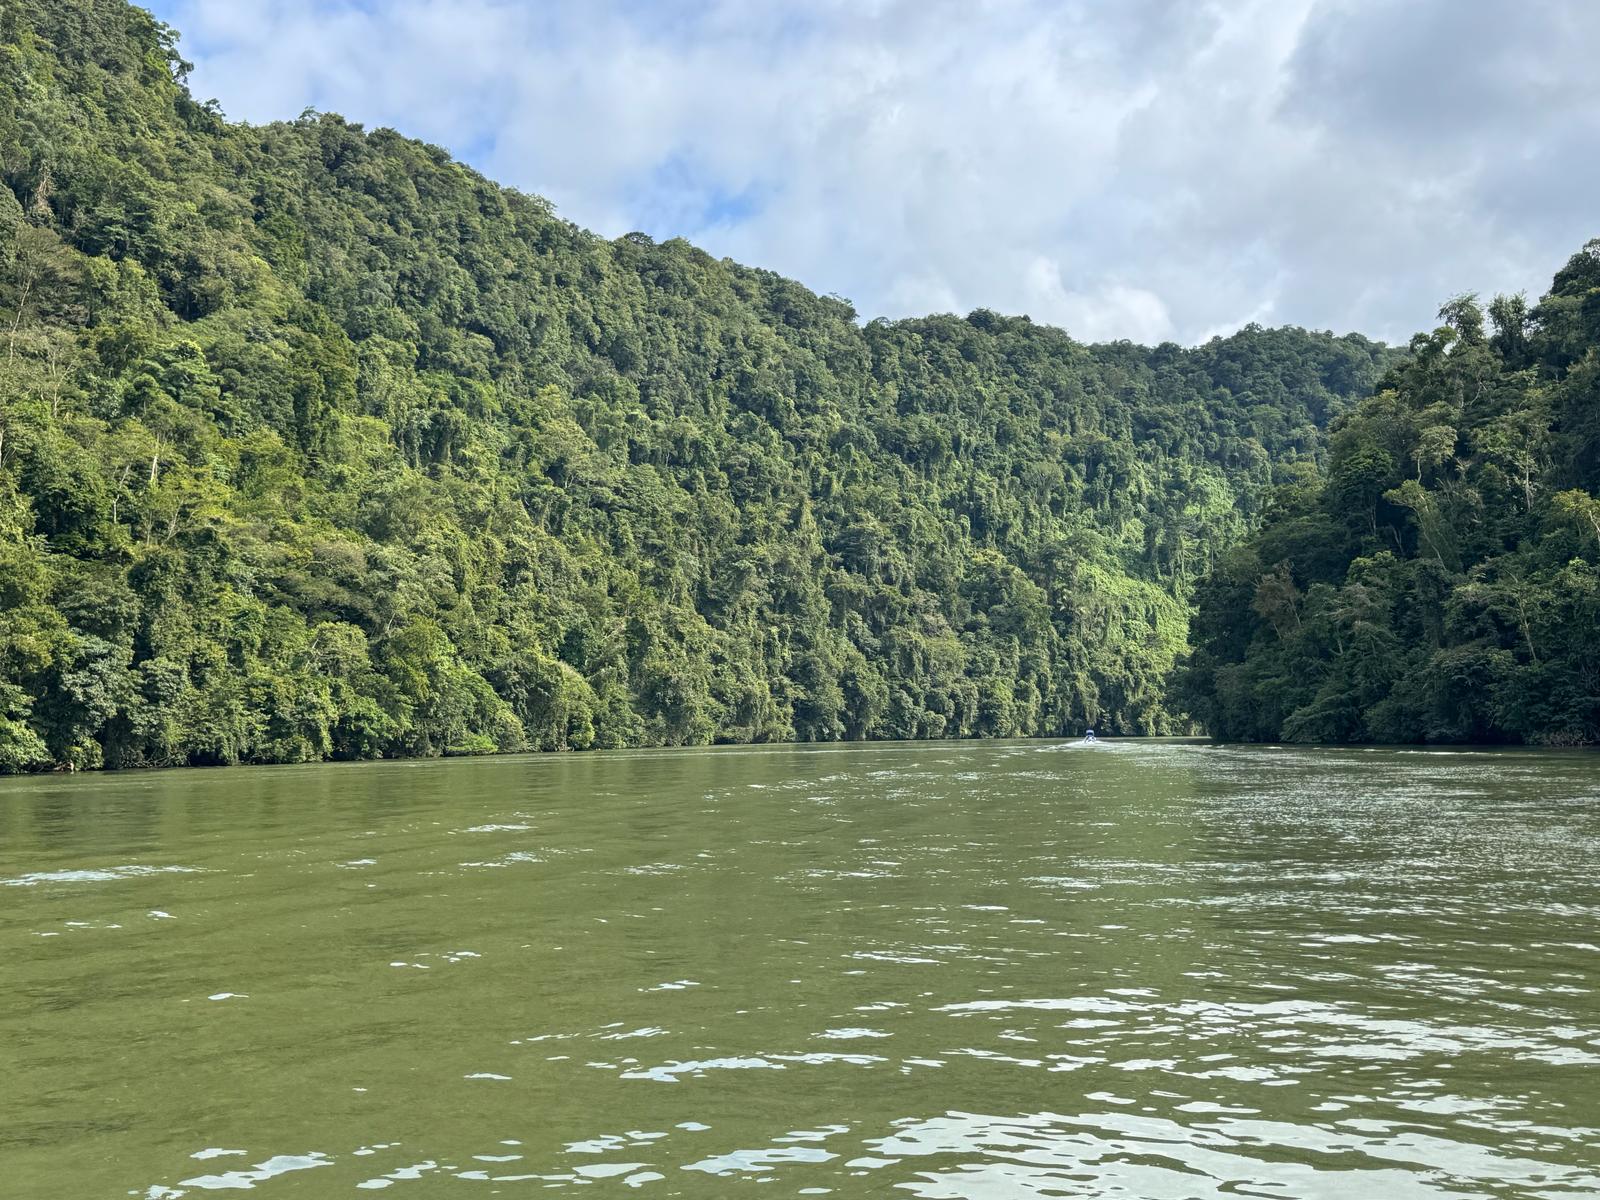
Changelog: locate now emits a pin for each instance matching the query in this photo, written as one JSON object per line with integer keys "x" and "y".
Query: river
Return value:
{"x": 1140, "y": 970}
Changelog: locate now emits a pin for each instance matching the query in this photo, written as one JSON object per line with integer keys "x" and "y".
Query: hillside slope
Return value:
{"x": 1441, "y": 582}
{"x": 314, "y": 443}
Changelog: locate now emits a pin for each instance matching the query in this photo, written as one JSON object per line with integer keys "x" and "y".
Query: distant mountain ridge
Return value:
{"x": 314, "y": 443}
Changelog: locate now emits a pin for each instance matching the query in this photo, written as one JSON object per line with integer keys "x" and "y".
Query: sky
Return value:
{"x": 1144, "y": 169}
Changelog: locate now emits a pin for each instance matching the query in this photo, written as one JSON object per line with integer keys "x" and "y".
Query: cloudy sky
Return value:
{"x": 1149, "y": 169}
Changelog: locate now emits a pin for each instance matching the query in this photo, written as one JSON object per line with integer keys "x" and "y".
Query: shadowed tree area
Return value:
{"x": 1439, "y": 581}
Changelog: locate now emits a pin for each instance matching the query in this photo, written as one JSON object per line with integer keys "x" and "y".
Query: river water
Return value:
{"x": 1141, "y": 970}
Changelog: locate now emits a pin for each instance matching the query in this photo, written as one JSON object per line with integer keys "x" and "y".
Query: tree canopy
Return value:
{"x": 314, "y": 443}
{"x": 1440, "y": 581}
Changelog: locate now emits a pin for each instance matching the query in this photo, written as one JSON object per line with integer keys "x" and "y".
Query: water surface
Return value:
{"x": 1153, "y": 970}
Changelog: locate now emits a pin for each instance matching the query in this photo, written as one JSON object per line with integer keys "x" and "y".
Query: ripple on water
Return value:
{"x": 94, "y": 875}
{"x": 1114, "y": 1153}
{"x": 507, "y": 860}
{"x": 279, "y": 1164}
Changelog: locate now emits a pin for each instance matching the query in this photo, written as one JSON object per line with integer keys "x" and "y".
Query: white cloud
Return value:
{"x": 1150, "y": 169}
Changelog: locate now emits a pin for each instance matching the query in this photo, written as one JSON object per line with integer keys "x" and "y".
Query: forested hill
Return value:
{"x": 1442, "y": 581}
{"x": 314, "y": 443}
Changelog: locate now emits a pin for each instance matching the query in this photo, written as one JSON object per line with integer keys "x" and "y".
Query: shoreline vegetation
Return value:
{"x": 315, "y": 444}
{"x": 1438, "y": 581}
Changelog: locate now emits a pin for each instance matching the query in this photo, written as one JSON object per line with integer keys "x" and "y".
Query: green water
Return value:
{"x": 977, "y": 970}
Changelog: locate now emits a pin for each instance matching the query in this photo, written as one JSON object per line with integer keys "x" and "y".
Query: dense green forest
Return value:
{"x": 314, "y": 443}
{"x": 1441, "y": 581}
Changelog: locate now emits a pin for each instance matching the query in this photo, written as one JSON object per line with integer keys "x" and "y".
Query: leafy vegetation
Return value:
{"x": 1441, "y": 582}
{"x": 314, "y": 443}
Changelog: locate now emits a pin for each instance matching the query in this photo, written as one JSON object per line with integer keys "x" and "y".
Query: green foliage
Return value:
{"x": 1441, "y": 581}
{"x": 314, "y": 444}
